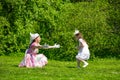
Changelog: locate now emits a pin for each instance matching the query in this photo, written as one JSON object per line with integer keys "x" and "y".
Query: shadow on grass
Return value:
{"x": 15, "y": 65}
{"x": 71, "y": 67}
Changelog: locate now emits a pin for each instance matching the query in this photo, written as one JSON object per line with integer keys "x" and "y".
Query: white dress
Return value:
{"x": 83, "y": 52}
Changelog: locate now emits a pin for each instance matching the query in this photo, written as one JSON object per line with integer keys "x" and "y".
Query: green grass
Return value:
{"x": 98, "y": 69}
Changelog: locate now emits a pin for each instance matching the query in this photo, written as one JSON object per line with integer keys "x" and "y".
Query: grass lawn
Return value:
{"x": 98, "y": 69}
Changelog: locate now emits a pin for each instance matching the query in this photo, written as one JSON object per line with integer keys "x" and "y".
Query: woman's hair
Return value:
{"x": 33, "y": 41}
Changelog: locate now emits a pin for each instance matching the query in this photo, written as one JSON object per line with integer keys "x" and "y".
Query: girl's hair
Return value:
{"x": 80, "y": 36}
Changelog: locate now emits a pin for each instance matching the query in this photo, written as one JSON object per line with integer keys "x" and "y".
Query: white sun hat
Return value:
{"x": 76, "y": 32}
{"x": 33, "y": 36}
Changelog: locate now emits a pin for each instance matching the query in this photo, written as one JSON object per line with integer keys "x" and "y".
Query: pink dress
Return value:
{"x": 32, "y": 59}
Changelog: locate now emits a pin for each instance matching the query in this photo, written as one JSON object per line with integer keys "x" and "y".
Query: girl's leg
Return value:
{"x": 78, "y": 63}
{"x": 82, "y": 60}
{"x": 85, "y": 63}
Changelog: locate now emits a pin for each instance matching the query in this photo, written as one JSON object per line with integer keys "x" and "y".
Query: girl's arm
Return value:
{"x": 81, "y": 43}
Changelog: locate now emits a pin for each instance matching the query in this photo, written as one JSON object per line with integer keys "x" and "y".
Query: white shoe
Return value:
{"x": 86, "y": 64}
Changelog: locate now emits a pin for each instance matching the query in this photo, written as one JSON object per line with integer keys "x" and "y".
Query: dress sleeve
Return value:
{"x": 81, "y": 40}
{"x": 32, "y": 45}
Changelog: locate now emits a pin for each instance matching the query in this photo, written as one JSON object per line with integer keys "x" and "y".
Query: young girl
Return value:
{"x": 83, "y": 51}
{"x": 32, "y": 59}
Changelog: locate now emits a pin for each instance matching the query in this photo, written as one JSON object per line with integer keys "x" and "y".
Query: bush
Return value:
{"x": 56, "y": 21}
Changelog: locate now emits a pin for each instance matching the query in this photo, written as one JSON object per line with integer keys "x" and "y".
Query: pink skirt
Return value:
{"x": 36, "y": 60}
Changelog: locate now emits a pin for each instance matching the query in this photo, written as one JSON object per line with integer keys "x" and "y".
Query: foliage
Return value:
{"x": 55, "y": 21}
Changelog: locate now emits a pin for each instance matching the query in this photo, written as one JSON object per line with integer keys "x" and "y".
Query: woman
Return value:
{"x": 32, "y": 59}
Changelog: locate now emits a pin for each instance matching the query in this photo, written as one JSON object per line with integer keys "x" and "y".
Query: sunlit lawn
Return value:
{"x": 98, "y": 69}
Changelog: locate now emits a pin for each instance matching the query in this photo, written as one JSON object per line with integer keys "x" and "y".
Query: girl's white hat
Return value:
{"x": 33, "y": 36}
{"x": 76, "y": 32}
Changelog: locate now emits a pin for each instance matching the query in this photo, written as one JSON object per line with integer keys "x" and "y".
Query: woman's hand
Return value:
{"x": 54, "y": 46}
